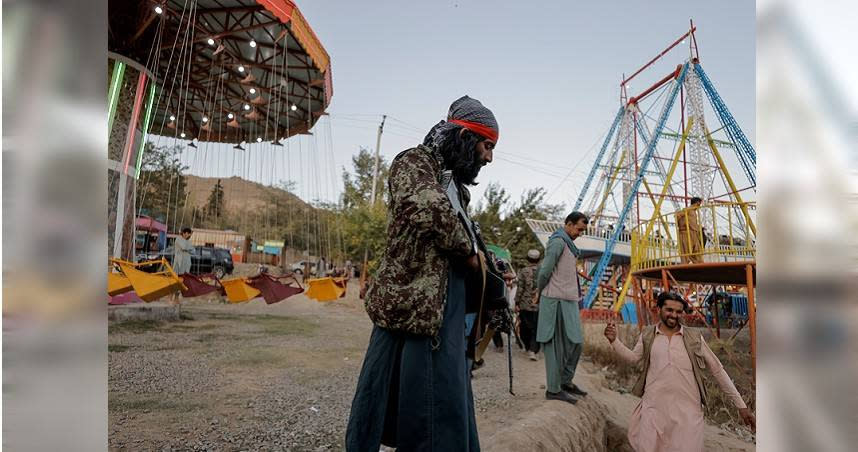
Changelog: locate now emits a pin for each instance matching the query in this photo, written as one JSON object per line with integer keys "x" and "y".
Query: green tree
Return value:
{"x": 358, "y": 185}
{"x": 161, "y": 190}
{"x": 214, "y": 205}
{"x": 520, "y": 238}
{"x": 363, "y": 225}
{"x": 505, "y": 225}
{"x": 489, "y": 211}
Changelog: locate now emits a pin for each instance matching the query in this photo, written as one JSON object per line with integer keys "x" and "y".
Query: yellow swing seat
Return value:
{"x": 238, "y": 291}
{"x": 325, "y": 289}
{"x": 117, "y": 284}
{"x": 151, "y": 286}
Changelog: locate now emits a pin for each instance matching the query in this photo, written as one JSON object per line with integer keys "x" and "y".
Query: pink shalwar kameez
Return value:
{"x": 669, "y": 417}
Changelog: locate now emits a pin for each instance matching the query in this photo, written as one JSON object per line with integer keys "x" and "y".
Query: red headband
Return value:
{"x": 478, "y": 128}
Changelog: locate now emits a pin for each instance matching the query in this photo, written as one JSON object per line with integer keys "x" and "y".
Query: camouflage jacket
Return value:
{"x": 409, "y": 290}
{"x": 526, "y": 289}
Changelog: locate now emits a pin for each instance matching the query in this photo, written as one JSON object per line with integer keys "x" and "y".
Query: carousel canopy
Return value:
{"x": 227, "y": 70}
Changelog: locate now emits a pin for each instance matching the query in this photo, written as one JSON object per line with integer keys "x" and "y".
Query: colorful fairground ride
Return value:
{"x": 644, "y": 236}
{"x": 206, "y": 76}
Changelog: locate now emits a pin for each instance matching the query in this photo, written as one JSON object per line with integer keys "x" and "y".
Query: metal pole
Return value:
{"x": 377, "y": 148}
{"x": 752, "y": 316}
{"x": 363, "y": 273}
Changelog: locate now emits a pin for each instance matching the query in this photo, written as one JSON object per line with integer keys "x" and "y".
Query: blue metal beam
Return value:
{"x": 744, "y": 150}
{"x": 598, "y": 159}
{"x": 650, "y": 150}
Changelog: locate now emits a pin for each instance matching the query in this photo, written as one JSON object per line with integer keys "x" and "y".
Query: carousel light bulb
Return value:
{"x": 252, "y": 90}
{"x": 211, "y": 42}
{"x": 246, "y": 107}
{"x": 252, "y": 43}
{"x": 230, "y": 116}
{"x": 240, "y": 68}
{"x": 259, "y": 139}
{"x": 294, "y": 107}
{"x": 182, "y": 135}
{"x": 172, "y": 118}
{"x": 205, "y": 119}
{"x": 158, "y": 9}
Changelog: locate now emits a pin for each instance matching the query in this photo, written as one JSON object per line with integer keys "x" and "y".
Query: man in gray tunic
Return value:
{"x": 559, "y": 328}
{"x": 182, "y": 257}
{"x": 182, "y": 252}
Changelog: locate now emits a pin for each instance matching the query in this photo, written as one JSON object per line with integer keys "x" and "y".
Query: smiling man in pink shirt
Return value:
{"x": 669, "y": 417}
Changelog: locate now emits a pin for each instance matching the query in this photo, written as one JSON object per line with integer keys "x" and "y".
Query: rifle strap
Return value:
{"x": 478, "y": 325}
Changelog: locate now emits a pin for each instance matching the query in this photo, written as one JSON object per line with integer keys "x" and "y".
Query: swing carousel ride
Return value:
{"x": 638, "y": 192}
{"x": 234, "y": 84}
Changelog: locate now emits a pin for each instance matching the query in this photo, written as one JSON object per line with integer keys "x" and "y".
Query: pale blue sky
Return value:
{"x": 549, "y": 70}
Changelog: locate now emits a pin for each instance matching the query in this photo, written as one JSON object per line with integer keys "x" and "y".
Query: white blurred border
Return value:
{"x": 807, "y": 122}
{"x": 54, "y": 237}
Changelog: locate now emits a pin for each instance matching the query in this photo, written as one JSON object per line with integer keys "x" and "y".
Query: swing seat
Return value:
{"x": 198, "y": 285}
{"x": 117, "y": 284}
{"x": 326, "y": 289}
{"x": 275, "y": 289}
{"x": 341, "y": 282}
{"x": 124, "y": 298}
{"x": 239, "y": 291}
{"x": 152, "y": 286}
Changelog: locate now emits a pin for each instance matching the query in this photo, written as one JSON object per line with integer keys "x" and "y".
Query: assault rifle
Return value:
{"x": 488, "y": 290}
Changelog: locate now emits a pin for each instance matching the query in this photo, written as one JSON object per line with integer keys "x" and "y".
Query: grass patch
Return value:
{"x": 116, "y": 348}
{"x": 736, "y": 360}
{"x": 151, "y": 403}
{"x": 257, "y": 357}
{"x": 133, "y": 326}
{"x": 182, "y": 327}
{"x": 145, "y": 326}
{"x": 208, "y": 338}
{"x": 272, "y": 325}
{"x": 223, "y": 316}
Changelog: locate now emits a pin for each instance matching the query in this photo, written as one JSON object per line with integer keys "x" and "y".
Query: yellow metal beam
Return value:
{"x": 656, "y": 213}
{"x": 743, "y": 206}
{"x": 663, "y": 223}
{"x": 622, "y": 296}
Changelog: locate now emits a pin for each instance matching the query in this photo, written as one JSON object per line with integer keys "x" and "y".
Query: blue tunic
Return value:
{"x": 413, "y": 396}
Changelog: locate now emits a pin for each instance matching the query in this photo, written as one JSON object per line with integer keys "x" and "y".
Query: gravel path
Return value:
{"x": 267, "y": 377}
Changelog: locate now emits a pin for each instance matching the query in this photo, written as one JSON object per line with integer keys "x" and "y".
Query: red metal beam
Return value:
{"x": 663, "y": 52}
{"x": 657, "y": 85}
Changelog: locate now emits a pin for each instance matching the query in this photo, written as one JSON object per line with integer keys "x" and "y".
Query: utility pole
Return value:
{"x": 377, "y": 148}
{"x": 372, "y": 201}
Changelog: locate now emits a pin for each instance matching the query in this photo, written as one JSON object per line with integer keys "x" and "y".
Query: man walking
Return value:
{"x": 670, "y": 414}
{"x": 559, "y": 327}
{"x": 182, "y": 248}
{"x": 526, "y": 303}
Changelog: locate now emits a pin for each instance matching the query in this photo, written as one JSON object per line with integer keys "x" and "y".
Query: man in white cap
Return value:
{"x": 527, "y": 303}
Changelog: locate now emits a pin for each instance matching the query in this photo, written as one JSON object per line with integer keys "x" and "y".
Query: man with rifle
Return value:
{"x": 414, "y": 390}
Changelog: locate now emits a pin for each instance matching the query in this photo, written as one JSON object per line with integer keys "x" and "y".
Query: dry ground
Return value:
{"x": 281, "y": 377}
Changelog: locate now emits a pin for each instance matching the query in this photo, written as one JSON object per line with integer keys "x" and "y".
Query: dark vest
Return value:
{"x": 693, "y": 346}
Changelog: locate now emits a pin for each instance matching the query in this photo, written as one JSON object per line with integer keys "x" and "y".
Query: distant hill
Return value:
{"x": 239, "y": 194}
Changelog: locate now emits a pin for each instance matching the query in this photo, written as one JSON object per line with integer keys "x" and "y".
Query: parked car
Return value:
{"x": 204, "y": 259}
{"x": 298, "y": 267}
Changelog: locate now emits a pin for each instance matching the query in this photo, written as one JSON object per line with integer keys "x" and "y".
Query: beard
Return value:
{"x": 459, "y": 152}
{"x": 669, "y": 322}
{"x": 466, "y": 170}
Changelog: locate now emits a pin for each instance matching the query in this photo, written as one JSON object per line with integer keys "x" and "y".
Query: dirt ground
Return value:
{"x": 253, "y": 376}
